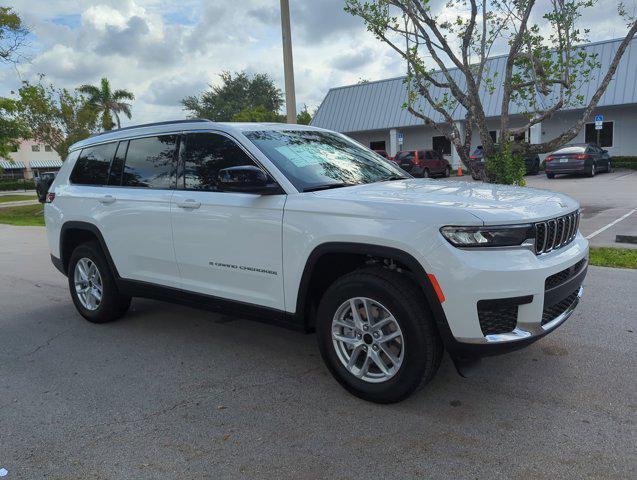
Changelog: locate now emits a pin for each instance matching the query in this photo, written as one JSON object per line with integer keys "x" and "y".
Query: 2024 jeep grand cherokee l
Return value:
{"x": 306, "y": 228}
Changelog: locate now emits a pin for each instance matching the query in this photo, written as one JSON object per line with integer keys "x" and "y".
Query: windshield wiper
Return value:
{"x": 327, "y": 186}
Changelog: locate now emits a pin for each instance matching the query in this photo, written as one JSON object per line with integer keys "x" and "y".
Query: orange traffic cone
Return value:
{"x": 460, "y": 169}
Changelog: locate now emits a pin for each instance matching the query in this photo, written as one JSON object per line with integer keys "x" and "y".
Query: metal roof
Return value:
{"x": 378, "y": 105}
{"x": 11, "y": 165}
{"x": 45, "y": 163}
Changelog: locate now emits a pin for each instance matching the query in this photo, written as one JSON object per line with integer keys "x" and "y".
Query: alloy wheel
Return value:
{"x": 88, "y": 283}
{"x": 368, "y": 340}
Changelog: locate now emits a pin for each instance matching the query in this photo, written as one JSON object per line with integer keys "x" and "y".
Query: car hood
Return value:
{"x": 493, "y": 204}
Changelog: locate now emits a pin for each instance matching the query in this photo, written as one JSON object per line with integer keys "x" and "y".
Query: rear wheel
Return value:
{"x": 425, "y": 173}
{"x": 447, "y": 173}
{"x": 593, "y": 170}
{"x": 376, "y": 335}
{"x": 550, "y": 175}
{"x": 93, "y": 287}
{"x": 609, "y": 167}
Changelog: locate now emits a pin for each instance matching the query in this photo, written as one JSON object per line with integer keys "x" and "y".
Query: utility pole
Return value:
{"x": 288, "y": 65}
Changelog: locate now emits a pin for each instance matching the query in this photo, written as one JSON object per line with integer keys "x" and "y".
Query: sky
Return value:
{"x": 165, "y": 50}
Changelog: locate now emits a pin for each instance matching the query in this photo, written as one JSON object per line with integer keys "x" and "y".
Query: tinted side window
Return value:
{"x": 207, "y": 153}
{"x": 93, "y": 164}
{"x": 117, "y": 167}
{"x": 150, "y": 162}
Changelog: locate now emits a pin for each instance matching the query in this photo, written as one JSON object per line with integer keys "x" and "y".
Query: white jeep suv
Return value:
{"x": 306, "y": 228}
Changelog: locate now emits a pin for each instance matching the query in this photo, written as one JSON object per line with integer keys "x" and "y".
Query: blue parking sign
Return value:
{"x": 599, "y": 118}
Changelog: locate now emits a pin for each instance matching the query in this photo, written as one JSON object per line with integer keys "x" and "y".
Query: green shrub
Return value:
{"x": 506, "y": 167}
{"x": 624, "y": 162}
{"x": 9, "y": 185}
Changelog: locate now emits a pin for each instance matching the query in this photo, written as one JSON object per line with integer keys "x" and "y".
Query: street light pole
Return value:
{"x": 288, "y": 66}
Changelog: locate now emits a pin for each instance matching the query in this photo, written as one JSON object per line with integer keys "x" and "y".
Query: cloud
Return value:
{"x": 353, "y": 61}
{"x": 163, "y": 50}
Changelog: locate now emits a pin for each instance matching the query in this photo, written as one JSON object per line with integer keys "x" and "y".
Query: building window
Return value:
{"x": 35, "y": 148}
{"x": 377, "y": 145}
{"x": 47, "y": 148}
{"x": 441, "y": 144}
{"x": 605, "y": 134}
{"x": 494, "y": 135}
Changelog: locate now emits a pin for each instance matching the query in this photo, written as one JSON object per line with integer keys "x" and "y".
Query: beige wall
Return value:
{"x": 25, "y": 154}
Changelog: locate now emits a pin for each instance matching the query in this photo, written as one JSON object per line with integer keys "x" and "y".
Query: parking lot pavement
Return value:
{"x": 172, "y": 392}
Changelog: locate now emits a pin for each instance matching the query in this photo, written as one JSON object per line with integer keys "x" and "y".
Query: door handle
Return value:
{"x": 107, "y": 199}
{"x": 190, "y": 204}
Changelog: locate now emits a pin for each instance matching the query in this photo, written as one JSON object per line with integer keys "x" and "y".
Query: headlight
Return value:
{"x": 505, "y": 236}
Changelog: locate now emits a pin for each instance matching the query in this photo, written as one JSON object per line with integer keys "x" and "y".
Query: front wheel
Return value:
{"x": 425, "y": 173}
{"x": 377, "y": 336}
{"x": 593, "y": 170}
{"x": 550, "y": 175}
{"x": 93, "y": 287}
{"x": 447, "y": 173}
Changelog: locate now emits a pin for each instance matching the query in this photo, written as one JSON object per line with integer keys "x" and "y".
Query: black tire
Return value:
{"x": 609, "y": 167}
{"x": 113, "y": 305}
{"x": 447, "y": 173}
{"x": 550, "y": 175}
{"x": 405, "y": 300}
{"x": 592, "y": 171}
{"x": 425, "y": 173}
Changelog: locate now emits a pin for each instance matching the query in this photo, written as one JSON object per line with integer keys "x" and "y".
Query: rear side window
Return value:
{"x": 150, "y": 162}
{"x": 207, "y": 153}
{"x": 93, "y": 165}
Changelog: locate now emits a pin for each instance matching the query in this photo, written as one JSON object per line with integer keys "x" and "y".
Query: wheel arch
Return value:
{"x": 367, "y": 251}
{"x": 73, "y": 234}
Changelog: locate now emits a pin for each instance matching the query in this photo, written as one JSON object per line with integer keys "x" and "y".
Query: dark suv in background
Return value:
{"x": 42, "y": 184}
{"x": 582, "y": 158}
{"x": 531, "y": 161}
{"x": 423, "y": 163}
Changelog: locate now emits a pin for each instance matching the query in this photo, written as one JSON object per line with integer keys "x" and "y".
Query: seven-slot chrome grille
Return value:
{"x": 556, "y": 232}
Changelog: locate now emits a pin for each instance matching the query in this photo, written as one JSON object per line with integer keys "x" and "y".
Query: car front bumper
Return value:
{"x": 515, "y": 280}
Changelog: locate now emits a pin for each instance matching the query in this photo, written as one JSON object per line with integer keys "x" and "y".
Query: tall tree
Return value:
{"x": 543, "y": 74}
{"x": 304, "y": 117}
{"x": 13, "y": 35}
{"x": 56, "y": 117}
{"x": 108, "y": 102}
{"x": 238, "y": 94}
{"x": 12, "y": 127}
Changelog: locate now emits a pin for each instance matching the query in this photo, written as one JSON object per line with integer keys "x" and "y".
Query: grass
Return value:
{"x": 613, "y": 257}
{"x": 16, "y": 198}
{"x": 26, "y": 215}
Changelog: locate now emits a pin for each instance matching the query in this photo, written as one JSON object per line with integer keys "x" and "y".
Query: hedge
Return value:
{"x": 9, "y": 185}
{"x": 624, "y": 162}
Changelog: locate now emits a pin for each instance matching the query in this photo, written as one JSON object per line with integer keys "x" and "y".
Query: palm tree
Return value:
{"x": 107, "y": 102}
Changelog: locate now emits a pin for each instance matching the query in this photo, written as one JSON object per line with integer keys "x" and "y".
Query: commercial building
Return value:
{"x": 372, "y": 113}
{"x": 29, "y": 160}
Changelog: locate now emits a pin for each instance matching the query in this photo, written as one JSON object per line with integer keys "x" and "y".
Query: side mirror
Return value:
{"x": 246, "y": 179}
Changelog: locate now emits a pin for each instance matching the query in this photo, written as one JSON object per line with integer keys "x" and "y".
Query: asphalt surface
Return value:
{"x": 172, "y": 392}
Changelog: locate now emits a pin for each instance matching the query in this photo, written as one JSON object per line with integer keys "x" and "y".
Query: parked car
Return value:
{"x": 581, "y": 158}
{"x": 531, "y": 162}
{"x": 42, "y": 184}
{"x": 304, "y": 228}
{"x": 423, "y": 163}
{"x": 384, "y": 154}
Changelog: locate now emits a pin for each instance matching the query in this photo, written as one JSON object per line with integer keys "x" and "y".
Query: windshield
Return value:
{"x": 314, "y": 159}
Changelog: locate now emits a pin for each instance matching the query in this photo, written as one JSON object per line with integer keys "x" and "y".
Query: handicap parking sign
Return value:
{"x": 599, "y": 118}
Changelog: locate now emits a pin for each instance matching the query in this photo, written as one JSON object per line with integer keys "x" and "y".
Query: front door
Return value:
{"x": 227, "y": 244}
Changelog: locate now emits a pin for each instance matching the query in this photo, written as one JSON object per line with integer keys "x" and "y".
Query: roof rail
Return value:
{"x": 154, "y": 124}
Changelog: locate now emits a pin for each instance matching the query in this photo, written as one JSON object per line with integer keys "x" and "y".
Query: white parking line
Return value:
{"x": 596, "y": 232}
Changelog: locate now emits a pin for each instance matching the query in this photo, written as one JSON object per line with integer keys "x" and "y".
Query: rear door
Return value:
{"x": 134, "y": 209}
{"x": 227, "y": 244}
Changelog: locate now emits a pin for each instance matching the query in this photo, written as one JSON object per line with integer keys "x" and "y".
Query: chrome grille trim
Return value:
{"x": 556, "y": 232}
